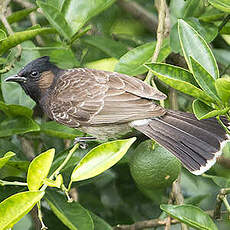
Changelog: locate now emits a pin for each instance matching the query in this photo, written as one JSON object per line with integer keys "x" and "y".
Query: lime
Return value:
{"x": 152, "y": 166}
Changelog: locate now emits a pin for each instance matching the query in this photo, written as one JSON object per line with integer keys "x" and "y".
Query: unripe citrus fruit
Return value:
{"x": 152, "y": 166}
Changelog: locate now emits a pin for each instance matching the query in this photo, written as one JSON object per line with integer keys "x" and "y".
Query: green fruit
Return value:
{"x": 152, "y": 166}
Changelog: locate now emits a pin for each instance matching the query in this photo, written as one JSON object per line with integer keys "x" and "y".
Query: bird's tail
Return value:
{"x": 196, "y": 143}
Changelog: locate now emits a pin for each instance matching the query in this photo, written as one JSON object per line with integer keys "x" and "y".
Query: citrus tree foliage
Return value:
{"x": 75, "y": 188}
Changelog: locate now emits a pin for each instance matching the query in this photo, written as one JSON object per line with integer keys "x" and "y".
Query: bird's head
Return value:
{"x": 36, "y": 77}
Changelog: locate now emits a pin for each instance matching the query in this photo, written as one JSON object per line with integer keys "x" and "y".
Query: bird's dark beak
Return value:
{"x": 16, "y": 78}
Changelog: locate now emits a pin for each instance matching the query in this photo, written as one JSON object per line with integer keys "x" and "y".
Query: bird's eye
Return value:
{"x": 34, "y": 74}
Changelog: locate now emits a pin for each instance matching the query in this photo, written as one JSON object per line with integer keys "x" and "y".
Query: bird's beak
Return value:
{"x": 16, "y": 78}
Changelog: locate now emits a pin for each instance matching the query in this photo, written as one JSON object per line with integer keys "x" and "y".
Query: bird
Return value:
{"x": 107, "y": 105}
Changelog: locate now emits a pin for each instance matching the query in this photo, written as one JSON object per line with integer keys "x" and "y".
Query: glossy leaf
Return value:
{"x": 222, "y": 56}
{"x": 13, "y": 92}
{"x": 204, "y": 79}
{"x": 15, "y": 207}
{"x": 17, "y": 125}
{"x": 55, "y": 129}
{"x": 211, "y": 14}
{"x": 100, "y": 159}
{"x": 190, "y": 215}
{"x": 203, "y": 111}
{"x": 57, "y": 19}
{"x": 19, "y": 37}
{"x": 73, "y": 215}
{"x": 195, "y": 46}
{"x": 223, "y": 88}
{"x": 39, "y": 169}
{"x": 223, "y": 5}
{"x": 6, "y": 158}
{"x": 112, "y": 48}
{"x": 132, "y": 62}
{"x": 107, "y": 64}
{"x": 179, "y": 79}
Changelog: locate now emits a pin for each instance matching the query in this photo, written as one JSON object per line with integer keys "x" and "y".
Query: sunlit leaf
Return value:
{"x": 203, "y": 111}
{"x": 223, "y": 88}
{"x": 6, "y": 158}
{"x": 107, "y": 64}
{"x": 101, "y": 158}
{"x": 195, "y": 46}
{"x": 15, "y": 207}
{"x": 179, "y": 79}
{"x": 54, "y": 183}
{"x": 73, "y": 215}
{"x": 2, "y": 35}
{"x": 190, "y": 215}
{"x": 39, "y": 169}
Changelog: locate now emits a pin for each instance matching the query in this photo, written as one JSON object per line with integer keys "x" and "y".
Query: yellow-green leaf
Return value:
{"x": 15, "y": 207}
{"x": 4, "y": 160}
{"x": 223, "y": 88}
{"x": 39, "y": 169}
{"x": 100, "y": 159}
{"x": 54, "y": 183}
{"x": 223, "y": 5}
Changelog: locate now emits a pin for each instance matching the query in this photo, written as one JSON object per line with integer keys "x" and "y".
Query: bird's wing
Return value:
{"x": 93, "y": 97}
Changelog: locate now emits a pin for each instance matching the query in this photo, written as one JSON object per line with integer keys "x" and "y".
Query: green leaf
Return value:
{"x": 73, "y": 215}
{"x": 203, "y": 111}
{"x": 79, "y": 12}
{"x": 222, "y": 182}
{"x": 56, "y": 19}
{"x": 70, "y": 16}
{"x": 107, "y": 64}
{"x": 39, "y": 169}
{"x": 2, "y": 35}
{"x": 15, "y": 207}
{"x": 55, "y": 129}
{"x": 17, "y": 125}
{"x": 223, "y": 89}
{"x": 211, "y": 14}
{"x": 112, "y": 48}
{"x": 20, "y": 37}
{"x": 179, "y": 79}
{"x": 207, "y": 30}
{"x": 193, "y": 8}
{"x": 99, "y": 223}
{"x": 19, "y": 15}
{"x": 204, "y": 79}
{"x": 222, "y": 56}
{"x": 223, "y": 5}
{"x": 15, "y": 110}
{"x": 54, "y": 183}
{"x": 6, "y": 158}
{"x": 195, "y": 46}
{"x": 13, "y": 92}
{"x": 100, "y": 159}
{"x": 132, "y": 62}
{"x": 190, "y": 215}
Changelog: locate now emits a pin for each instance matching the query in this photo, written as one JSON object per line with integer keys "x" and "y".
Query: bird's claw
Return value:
{"x": 82, "y": 141}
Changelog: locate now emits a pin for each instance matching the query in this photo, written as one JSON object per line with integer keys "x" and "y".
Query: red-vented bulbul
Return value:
{"x": 108, "y": 105}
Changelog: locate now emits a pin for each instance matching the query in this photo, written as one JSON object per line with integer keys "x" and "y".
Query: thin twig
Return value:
{"x": 145, "y": 224}
{"x": 178, "y": 197}
{"x": 223, "y": 23}
{"x": 160, "y": 35}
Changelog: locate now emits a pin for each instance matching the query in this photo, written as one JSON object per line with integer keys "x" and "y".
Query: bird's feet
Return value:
{"x": 82, "y": 141}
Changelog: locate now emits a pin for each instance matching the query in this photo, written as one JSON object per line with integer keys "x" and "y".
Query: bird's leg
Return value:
{"x": 82, "y": 141}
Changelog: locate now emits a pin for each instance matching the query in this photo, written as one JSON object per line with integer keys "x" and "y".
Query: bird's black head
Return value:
{"x": 36, "y": 77}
